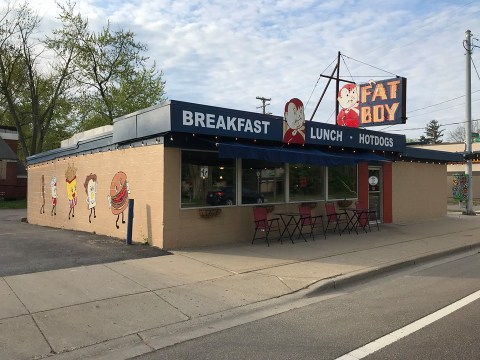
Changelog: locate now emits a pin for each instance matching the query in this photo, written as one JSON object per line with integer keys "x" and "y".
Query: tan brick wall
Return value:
{"x": 416, "y": 190}
{"x": 186, "y": 228}
{"x": 158, "y": 216}
{"x": 144, "y": 167}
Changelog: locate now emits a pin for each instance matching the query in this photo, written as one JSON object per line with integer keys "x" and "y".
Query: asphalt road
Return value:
{"x": 26, "y": 248}
{"x": 356, "y": 316}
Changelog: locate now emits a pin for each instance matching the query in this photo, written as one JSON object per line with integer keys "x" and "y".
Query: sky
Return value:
{"x": 227, "y": 53}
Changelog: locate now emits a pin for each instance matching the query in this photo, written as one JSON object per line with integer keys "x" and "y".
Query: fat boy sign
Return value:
{"x": 375, "y": 103}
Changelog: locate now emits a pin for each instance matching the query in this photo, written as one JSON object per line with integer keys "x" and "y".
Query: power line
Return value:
{"x": 442, "y": 109}
{"x": 319, "y": 77}
{"x": 423, "y": 128}
{"x": 475, "y": 68}
{"x": 440, "y": 103}
{"x": 361, "y": 62}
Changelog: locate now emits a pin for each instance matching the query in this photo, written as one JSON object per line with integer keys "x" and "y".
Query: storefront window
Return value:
{"x": 207, "y": 180}
{"x": 262, "y": 182}
{"x": 306, "y": 182}
{"x": 342, "y": 182}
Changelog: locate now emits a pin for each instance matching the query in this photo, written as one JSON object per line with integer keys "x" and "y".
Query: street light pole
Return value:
{"x": 468, "y": 122}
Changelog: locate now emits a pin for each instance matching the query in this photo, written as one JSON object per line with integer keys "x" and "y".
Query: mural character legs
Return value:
{"x": 118, "y": 217}
{"x": 90, "y": 216}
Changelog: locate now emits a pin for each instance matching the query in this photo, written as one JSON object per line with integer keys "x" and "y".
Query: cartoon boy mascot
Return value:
{"x": 348, "y": 100}
{"x": 294, "y": 122}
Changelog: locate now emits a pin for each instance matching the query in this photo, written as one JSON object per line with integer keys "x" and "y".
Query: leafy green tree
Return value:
{"x": 70, "y": 80}
{"x": 112, "y": 73}
{"x": 30, "y": 86}
{"x": 433, "y": 133}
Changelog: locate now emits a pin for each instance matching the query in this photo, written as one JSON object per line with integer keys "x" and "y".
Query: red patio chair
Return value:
{"x": 364, "y": 216}
{"x": 262, "y": 223}
{"x": 341, "y": 219}
{"x": 306, "y": 219}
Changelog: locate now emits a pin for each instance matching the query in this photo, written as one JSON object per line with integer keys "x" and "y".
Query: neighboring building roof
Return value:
{"x": 97, "y": 144}
{"x": 85, "y": 135}
{"x": 6, "y": 152}
{"x": 415, "y": 153}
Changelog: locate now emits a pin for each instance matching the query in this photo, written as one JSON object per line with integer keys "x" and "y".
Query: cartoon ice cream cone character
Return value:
{"x": 71, "y": 181}
{"x": 90, "y": 186}
{"x": 118, "y": 198}
{"x": 53, "y": 188}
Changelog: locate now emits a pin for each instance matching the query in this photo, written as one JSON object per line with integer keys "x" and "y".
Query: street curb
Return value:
{"x": 134, "y": 344}
{"x": 352, "y": 279}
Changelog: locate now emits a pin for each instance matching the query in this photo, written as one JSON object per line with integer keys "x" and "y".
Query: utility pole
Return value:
{"x": 468, "y": 122}
{"x": 264, "y": 104}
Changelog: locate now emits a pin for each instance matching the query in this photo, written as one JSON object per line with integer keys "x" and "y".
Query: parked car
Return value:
{"x": 226, "y": 196}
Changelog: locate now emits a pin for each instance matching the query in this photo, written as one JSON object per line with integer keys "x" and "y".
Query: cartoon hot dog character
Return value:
{"x": 118, "y": 198}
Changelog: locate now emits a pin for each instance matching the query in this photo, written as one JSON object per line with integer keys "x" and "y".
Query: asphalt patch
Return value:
{"x": 26, "y": 248}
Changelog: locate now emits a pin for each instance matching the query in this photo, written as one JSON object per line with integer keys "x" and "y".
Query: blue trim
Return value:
{"x": 293, "y": 155}
{"x": 432, "y": 155}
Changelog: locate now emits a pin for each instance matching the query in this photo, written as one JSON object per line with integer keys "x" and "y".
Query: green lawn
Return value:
{"x": 13, "y": 204}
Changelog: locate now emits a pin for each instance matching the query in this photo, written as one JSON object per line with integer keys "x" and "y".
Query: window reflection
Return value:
{"x": 207, "y": 180}
{"x": 342, "y": 182}
{"x": 262, "y": 181}
{"x": 306, "y": 182}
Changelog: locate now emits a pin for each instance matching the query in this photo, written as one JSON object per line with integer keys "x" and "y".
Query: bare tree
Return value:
{"x": 458, "y": 134}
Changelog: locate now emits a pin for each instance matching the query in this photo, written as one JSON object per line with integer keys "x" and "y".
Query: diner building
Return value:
{"x": 195, "y": 173}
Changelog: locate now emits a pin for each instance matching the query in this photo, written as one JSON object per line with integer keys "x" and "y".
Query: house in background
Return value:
{"x": 13, "y": 174}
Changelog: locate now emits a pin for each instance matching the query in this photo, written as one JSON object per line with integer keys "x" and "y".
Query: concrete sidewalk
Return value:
{"x": 123, "y": 309}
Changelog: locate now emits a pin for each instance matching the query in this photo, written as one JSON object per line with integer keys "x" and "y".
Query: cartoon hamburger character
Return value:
{"x": 118, "y": 198}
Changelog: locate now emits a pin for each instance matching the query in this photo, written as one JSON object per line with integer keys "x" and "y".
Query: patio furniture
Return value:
{"x": 364, "y": 216}
{"x": 306, "y": 219}
{"x": 289, "y": 219}
{"x": 264, "y": 224}
{"x": 341, "y": 219}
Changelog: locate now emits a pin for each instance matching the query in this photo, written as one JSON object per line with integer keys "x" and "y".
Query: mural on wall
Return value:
{"x": 294, "y": 122}
{"x": 42, "y": 209}
{"x": 118, "y": 198}
{"x": 460, "y": 187}
{"x": 90, "y": 186}
{"x": 71, "y": 182}
{"x": 53, "y": 188}
{"x": 348, "y": 100}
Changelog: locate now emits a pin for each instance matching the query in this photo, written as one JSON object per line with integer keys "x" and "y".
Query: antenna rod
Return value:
{"x": 324, "y": 91}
